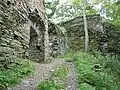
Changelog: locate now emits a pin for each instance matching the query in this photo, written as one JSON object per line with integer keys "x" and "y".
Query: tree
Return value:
{"x": 85, "y": 21}
{"x": 85, "y": 26}
{"x": 67, "y": 12}
{"x": 57, "y": 12}
{"x": 51, "y": 7}
{"x": 109, "y": 10}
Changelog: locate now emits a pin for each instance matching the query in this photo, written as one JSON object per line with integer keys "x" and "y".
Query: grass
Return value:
{"x": 85, "y": 86}
{"x": 95, "y": 72}
{"x": 61, "y": 72}
{"x": 68, "y": 56}
{"x": 10, "y": 77}
{"x": 57, "y": 81}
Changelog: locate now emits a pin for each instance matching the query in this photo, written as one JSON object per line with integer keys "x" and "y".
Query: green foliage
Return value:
{"x": 77, "y": 2}
{"x": 66, "y": 12}
{"x": 61, "y": 72}
{"x": 112, "y": 10}
{"x": 15, "y": 73}
{"x": 97, "y": 71}
{"x": 50, "y": 85}
{"x": 51, "y": 7}
{"x": 86, "y": 86}
{"x": 68, "y": 54}
{"x": 89, "y": 8}
{"x": 55, "y": 82}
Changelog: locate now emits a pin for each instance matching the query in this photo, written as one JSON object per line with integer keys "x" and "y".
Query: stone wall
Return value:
{"x": 75, "y": 32}
{"x": 111, "y": 38}
{"x": 23, "y": 29}
{"x": 57, "y": 40}
{"x": 103, "y": 37}
{"x": 12, "y": 39}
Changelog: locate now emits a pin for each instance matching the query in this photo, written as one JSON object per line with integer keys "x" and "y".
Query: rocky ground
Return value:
{"x": 71, "y": 83}
{"x": 44, "y": 71}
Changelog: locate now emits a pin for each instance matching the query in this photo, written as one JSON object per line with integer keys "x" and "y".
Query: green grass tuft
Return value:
{"x": 15, "y": 73}
{"x": 85, "y": 86}
{"x": 57, "y": 81}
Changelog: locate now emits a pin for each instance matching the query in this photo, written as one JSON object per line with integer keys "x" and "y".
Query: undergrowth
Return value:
{"x": 14, "y": 72}
{"x": 97, "y": 72}
{"x": 68, "y": 56}
{"x": 57, "y": 81}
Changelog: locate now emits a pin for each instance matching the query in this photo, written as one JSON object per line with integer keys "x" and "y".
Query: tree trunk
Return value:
{"x": 85, "y": 26}
{"x": 46, "y": 40}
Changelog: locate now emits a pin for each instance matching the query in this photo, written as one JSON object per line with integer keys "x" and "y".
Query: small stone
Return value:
{"x": 69, "y": 86}
{"x": 25, "y": 82}
{"x": 45, "y": 75}
{"x": 52, "y": 70}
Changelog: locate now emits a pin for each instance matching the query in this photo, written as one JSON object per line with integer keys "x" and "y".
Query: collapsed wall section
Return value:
{"x": 76, "y": 35}
{"x": 57, "y": 40}
{"x": 103, "y": 37}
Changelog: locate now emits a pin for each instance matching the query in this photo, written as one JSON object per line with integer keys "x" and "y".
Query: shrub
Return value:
{"x": 97, "y": 71}
{"x": 86, "y": 86}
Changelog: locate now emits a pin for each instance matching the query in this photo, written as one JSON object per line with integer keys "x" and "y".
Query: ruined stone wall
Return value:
{"x": 111, "y": 38}
{"x": 13, "y": 39}
{"x": 39, "y": 41}
{"x": 57, "y": 40}
{"x": 22, "y": 28}
{"x": 103, "y": 37}
{"x": 75, "y": 32}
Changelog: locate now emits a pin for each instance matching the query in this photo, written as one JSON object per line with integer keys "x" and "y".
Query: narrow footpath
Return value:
{"x": 71, "y": 83}
{"x": 44, "y": 71}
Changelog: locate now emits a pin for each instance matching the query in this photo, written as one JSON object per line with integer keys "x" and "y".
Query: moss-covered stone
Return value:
{"x": 75, "y": 32}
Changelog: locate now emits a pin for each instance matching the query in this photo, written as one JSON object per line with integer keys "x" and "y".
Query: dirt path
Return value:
{"x": 71, "y": 83}
{"x": 42, "y": 72}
